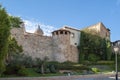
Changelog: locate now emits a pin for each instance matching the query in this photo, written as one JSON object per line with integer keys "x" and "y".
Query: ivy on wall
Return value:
{"x": 93, "y": 47}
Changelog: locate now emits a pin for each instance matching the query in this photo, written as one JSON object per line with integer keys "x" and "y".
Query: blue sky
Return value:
{"x": 54, "y": 14}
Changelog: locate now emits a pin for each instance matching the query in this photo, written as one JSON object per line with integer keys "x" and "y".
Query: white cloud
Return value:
{"x": 31, "y": 26}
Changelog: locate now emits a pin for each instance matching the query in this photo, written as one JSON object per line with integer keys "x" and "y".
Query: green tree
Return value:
{"x": 13, "y": 48}
{"x": 15, "y": 21}
{"x": 41, "y": 64}
{"x": 4, "y": 34}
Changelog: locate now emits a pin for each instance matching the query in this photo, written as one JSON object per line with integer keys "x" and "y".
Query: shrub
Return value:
{"x": 23, "y": 72}
{"x": 68, "y": 63}
{"x": 93, "y": 57}
{"x": 27, "y": 61}
{"x": 53, "y": 63}
{"x": 105, "y": 62}
{"x": 73, "y": 67}
{"x": 16, "y": 70}
{"x": 47, "y": 70}
{"x": 41, "y": 64}
{"x": 16, "y": 63}
{"x": 95, "y": 70}
{"x": 38, "y": 70}
{"x": 12, "y": 69}
{"x": 53, "y": 69}
{"x": 86, "y": 62}
{"x": 21, "y": 60}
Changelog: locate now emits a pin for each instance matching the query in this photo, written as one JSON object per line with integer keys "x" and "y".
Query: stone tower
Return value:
{"x": 61, "y": 45}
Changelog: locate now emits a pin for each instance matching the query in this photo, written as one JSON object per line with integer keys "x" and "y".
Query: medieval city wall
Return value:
{"x": 34, "y": 45}
{"x": 55, "y": 47}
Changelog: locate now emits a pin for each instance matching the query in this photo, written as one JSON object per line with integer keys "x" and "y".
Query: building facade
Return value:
{"x": 61, "y": 46}
{"x": 57, "y": 47}
{"x": 100, "y": 30}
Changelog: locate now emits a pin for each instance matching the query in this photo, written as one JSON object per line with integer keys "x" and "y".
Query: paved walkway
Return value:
{"x": 74, "y": 77}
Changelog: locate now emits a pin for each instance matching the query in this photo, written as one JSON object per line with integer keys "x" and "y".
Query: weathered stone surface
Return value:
{"x": 61, "y": 46}
{"x": 55, "y": 47}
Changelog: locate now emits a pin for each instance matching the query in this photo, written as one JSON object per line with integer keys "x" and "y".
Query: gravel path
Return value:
{"x": 74, "y": 77}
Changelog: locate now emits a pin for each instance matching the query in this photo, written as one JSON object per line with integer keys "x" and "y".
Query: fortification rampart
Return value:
{"x": 56, "y": 47}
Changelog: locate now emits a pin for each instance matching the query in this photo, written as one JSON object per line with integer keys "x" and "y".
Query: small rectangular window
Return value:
{"x": 61, "y": 32}
{"x": 56, "y": 33}
{"x": 66, "y": 33}
{"x": 75, "y": 43}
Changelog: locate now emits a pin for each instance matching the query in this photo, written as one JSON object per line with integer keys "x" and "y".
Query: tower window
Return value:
{"x": 61, "y": 32}
{"x": 56, "y": 33}
{"x": 66, "y": 33}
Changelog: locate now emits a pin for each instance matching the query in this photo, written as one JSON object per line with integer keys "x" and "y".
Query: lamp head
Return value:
{"x": 116, "y": 49}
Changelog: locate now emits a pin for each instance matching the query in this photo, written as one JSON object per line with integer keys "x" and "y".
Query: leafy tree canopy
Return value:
{"x": 7, "y": 44}
{"x": 15, "y": 21}
{"x": 4, "y": 34}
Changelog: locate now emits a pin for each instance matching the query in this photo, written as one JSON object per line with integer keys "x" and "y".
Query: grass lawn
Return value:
{"x": 32, "y": 73}
{"x": 77, "y": 69}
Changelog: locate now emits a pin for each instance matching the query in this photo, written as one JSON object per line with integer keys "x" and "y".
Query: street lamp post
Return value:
{"x": 116, "y": 49}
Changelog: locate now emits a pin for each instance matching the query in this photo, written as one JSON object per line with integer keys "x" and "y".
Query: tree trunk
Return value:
{"x": 42, "y": 69}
